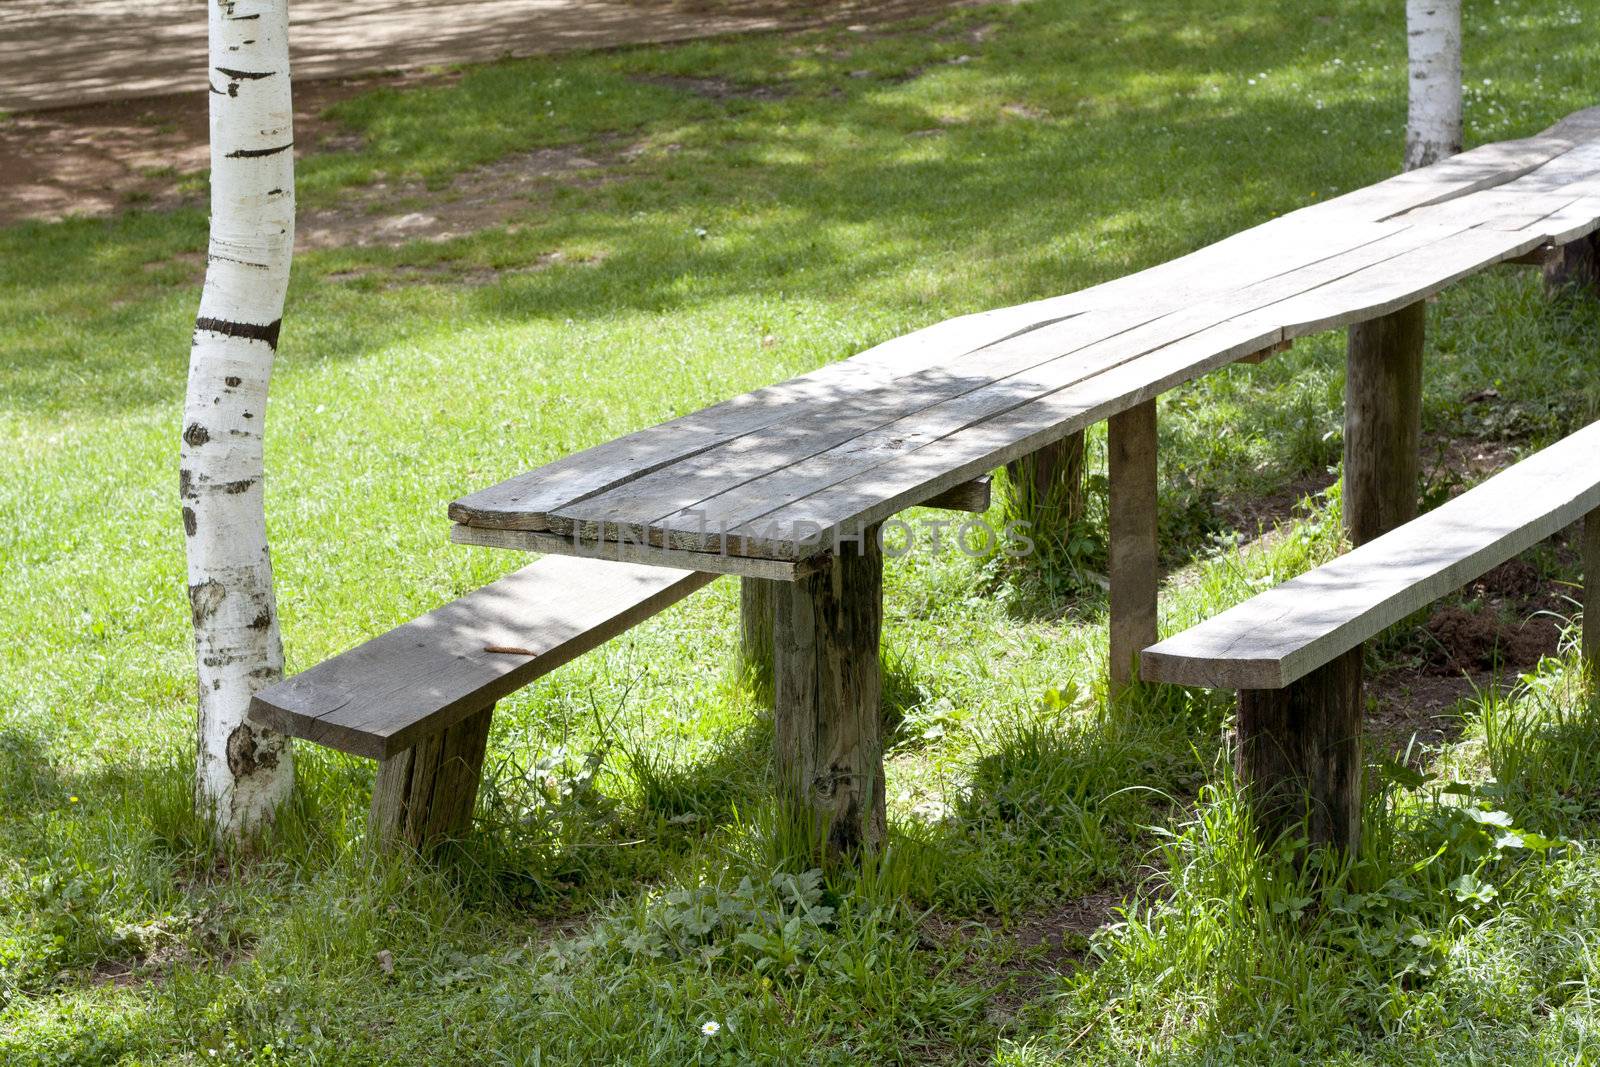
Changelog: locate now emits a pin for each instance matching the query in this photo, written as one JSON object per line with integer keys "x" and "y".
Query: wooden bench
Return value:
{"x": 419, "y": 698}
{"x": 1294, "y": 653}
{"x": 746, "y": 486}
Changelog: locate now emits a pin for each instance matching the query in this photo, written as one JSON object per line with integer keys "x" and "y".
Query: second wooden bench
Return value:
{"x": 1294, "y": 653}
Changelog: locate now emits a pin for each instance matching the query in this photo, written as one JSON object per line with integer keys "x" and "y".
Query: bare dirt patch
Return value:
{"x": 1049, "y": 943}
{"x": 95, "y": 159}
{"x": 479, "y": 199}
{"x": 715, "y": 88}
{"x": 98, "y": 159}
{"x": 1498, "y": 629}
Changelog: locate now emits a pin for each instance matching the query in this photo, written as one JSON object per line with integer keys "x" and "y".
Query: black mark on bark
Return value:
{"x": 190, "y": 523}
{"x": 246, "y": 75}
{"x": 204, "y": 599}
{"x": 196, "y": 435}
{"x": 232, "y": 382}
{"x": 249, "y": 330}
{"x": 185, "y": 484}
{"x": 261, "y": 621}
{"x": 233, "y": 259}
{"x": 235, "y": 488}
{"x": 244, "y": 758}
{"x": 257, "y": 153}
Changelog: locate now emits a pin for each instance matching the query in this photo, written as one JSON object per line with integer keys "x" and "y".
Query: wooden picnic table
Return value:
{"x": 791, "y": 482}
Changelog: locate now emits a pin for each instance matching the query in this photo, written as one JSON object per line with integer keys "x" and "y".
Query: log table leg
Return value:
{"x": 1299, "y": 754}
{"x": 1575, "y": 265}
{"x": 1591, "y": 604}
{"x": 425, "y": 794}
{"x": 1383, "y": 423}
{"x": 826, "y": 689}
{"x": 757, "y": 602}
{"x": 1047, "y": 485}
{"x": 1134, "y": 573}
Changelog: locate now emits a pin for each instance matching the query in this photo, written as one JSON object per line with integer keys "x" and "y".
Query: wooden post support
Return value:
{"x": 425, "y": 794}
{"x": 1591, "y": 603}
{"x": 1134, "y": 566}
{"x": 827, "y": 686}
{"x": 1574, "y": 265}
{"x": 1383, "y": 422}
{"x": 1047, "y": 486}
{"x": 757, "y": 602}
{"x": 1299, "y": 754}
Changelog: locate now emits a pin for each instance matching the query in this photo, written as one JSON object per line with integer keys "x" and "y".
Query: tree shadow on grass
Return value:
{"x": 125, "y": 879}
{"x": 1054, "y": 806}
{"x": 790, "y": 199}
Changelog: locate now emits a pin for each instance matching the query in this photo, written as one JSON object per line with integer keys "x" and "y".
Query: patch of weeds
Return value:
{"x": 545, "y": 831}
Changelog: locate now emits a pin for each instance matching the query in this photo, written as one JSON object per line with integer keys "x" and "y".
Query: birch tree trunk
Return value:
{"x": 242, "y": 773}
{"x": 1433, "y": 43}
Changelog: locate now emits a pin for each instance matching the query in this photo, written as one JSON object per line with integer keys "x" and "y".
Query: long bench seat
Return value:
{"x": 419, "y": 698}
{"x": 1294, "y": 652}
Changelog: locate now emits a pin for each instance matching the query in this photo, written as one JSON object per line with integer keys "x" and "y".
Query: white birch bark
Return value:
{"x": 242, "y": 773}
{"x": 1433, "y": 44}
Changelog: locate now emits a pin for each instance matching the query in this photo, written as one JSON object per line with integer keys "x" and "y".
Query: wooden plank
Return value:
{"x": 524, "y": 501}
{"x": 1383, "y": 422}
{"x": 973, "y": 496}
{"x": 1135, "y": 563}
{"x": 381, "y": 697}
{"x": 634, "y": 553}
{"x": 877, "y": 494}
{"x": 1298, "y": 757}
{"x": 794, "y": 476}
{"x": 827, "y": 713}
{"x": 858, "y": 484}
{"x": 424, "y": 795}
{"x": 1285, "y": 633}
{"x": 1579, "y": 219}
{"x": 1278, "y": 245}
{"x": 1403, "y": 280}
{"x": 1266, "y": 353}
{"x": 1468, "y": 172}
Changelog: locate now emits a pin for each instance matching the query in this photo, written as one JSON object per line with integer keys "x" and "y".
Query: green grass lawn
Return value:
{"x": 622, "y": 886}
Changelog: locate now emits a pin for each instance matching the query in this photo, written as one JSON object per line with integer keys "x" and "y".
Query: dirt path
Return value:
{"x": 62, "y": 55}
{"x": 96, "y": 130}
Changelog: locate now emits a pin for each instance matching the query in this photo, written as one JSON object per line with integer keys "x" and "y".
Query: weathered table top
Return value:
{"x": 762, "y": 483}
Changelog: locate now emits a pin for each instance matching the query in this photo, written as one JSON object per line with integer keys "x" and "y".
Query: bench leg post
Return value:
{"x": 1135, "y": 576}
{"x": 1047, "y": 486}
{"x": 1299, "y": 754}
{"x": 1383, "y": 422}
{"x": 1591, "y": 605}
{"x": 1574, "y": 266}
{"x": 826, "y": 699}
{"x": 757, "y": 602}
{"x": 425, "y": 794}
